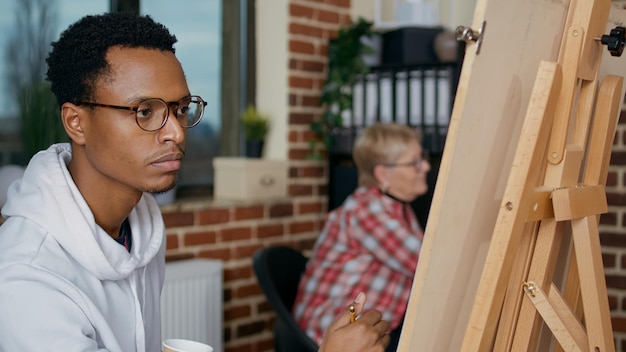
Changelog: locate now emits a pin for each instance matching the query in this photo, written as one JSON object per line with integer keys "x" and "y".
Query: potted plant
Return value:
{"x": 345, "y": 66}
{"x": 255, "y": 126}
{"x": 41, "y": 119}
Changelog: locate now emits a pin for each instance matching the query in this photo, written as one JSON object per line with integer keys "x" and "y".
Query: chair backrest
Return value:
{"x": 278, "y": 270}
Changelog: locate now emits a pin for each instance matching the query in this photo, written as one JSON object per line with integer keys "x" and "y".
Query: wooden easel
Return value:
{"x": 546, "y": 235}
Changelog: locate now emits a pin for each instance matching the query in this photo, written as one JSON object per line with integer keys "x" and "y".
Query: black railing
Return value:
{"x": 420, "y": 96}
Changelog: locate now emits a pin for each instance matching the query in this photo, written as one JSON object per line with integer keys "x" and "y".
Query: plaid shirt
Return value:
{"x": 371, "y": 244}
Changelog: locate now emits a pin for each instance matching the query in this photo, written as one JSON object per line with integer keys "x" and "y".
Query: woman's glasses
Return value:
{"x": 418, "y": 164}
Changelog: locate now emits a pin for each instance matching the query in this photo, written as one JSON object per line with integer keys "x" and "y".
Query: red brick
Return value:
{"x": 249, "y": 329}
{"x": 272, "y": 230}
{"x": 305, "y": 245}
{"x": 300, "y": 118}
{"x": 299, "y": 227}
{"x": 216, "y": 253}
{"x": 618, "y": 158}
{"x": 311, "y": 66}
{"x": 307, "y": 136}
{"x": 265, "y": 344}
{"x": 322, "y": 190}
{"x": 235, "y": 234}
{"x": 247, "y": 291}
{"x": 616, "y": 281}
{"x": 302, "y": 29}
{"x": 608, "y": 219}
{"x": 611, "y": 179}
{"x": 178, "y": 256}
{"x": 246, "y": 213}
{"x": 242, "y": 347}
{"x": 345, "y": 20}
{"x": 298, "y": 46}
{"x": 281, "y": 210}
{"x": 307, "y": 208}
{"x": 246, "y": 251}
{"x": 293, "y": 136}
{"x": 300, "y": 82}
{"x": 300, "y": 190}
{"x": 199, "y": 238}
{"x": 300, "y": 11}
{"x": 213, "y": 216}
{"x": 618, "y": 324}
{"x": 319, "y": 83}
{"x": 332, "y": 33}
{"x": 293, "y": 100}
{"x": 239, "y": 311}
{"x": 609, "y": 260}
{"x": 242, "y": 272}
{"x": 616, "y": 198}
{"x": 298, "y": 154}
{"x": 227, "y": 338}
{"x": 612, "y": 302}
{"x": 178, "y": 219}
{"x": 308, "y": 171}
{"x": 171, "y": 242}
{"x": 328, "y": 17}
{"x": 622, "y": 115}
{"x": 308, "y": 100}
{"x": 340, "y": 3}
{"x": 264, "y": 307}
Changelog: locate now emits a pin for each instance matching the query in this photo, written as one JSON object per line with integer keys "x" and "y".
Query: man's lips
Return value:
{"x": 169, "y": 162}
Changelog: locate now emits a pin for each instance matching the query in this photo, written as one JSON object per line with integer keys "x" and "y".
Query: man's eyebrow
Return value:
{"x": 139, "y": 99}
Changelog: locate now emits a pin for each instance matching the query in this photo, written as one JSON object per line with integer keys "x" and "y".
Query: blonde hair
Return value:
{"x": 378, "y": 144}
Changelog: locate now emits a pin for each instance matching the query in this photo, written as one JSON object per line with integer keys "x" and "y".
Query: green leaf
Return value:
{"x": 345, "y": 65}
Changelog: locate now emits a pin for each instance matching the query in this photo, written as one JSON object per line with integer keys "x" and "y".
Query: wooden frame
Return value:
{"x": 451, "y": 307}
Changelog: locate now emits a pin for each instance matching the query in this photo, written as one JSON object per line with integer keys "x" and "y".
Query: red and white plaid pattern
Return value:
{"x": 371, "y": 244}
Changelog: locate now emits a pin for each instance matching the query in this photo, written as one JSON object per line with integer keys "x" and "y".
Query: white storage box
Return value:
{"x": 249, "y": 179}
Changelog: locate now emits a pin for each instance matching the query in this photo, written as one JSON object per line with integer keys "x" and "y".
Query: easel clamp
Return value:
{"x": 568, "y": 203}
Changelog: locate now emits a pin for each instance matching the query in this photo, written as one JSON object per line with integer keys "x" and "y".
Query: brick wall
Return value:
{"x": 232, "y": 232}
{"x": 613, "y": 230}
{"x": 613, "y": 235}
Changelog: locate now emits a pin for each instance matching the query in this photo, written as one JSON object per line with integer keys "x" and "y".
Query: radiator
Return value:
{"x": 191, "y": 301}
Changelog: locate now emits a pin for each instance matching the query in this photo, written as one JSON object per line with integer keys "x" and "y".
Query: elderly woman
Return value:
{"x": 371, "y": 243}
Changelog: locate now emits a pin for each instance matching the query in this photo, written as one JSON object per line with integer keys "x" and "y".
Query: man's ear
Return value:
{"x": 72, "y": 117}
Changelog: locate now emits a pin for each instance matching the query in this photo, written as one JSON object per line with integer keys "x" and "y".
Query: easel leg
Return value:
{"x": 593, "y": 288}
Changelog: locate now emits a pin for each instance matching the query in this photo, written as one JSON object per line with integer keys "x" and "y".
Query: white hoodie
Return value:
{"x": 65, "y": 284}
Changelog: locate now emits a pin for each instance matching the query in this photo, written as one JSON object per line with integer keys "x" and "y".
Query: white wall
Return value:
{"x": 452, "y": 13}
{"x": 272, "y": 72}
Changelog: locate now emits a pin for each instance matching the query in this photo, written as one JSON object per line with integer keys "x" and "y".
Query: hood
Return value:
{"x": 46, "y": 195}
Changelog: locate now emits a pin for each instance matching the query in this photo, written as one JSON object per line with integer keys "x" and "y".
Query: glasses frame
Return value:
{"x": 169, "y": 104}
{"x": 417, "y": 164}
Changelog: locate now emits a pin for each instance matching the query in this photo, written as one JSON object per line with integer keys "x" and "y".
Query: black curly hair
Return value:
{"x": 78, "y": 58}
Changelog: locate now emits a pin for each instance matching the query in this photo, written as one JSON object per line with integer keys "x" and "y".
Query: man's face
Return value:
{"x": 118, "y": 151}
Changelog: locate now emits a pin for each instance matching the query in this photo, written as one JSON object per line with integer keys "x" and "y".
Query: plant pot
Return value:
{"x": 254, "y": 149}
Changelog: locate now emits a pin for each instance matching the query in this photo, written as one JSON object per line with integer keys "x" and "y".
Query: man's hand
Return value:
{"x": 368, "y": 333}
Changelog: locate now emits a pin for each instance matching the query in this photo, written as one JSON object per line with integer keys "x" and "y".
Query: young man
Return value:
{"x": 82, "y": 248}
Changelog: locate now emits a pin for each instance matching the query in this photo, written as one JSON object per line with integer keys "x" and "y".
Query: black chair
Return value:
{"x": 278, "y": 270}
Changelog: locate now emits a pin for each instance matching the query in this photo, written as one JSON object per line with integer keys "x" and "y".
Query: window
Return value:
{"x": 208, "y": 48}
{"x": 198, "y": 28}
{"x": 28, "y": 27}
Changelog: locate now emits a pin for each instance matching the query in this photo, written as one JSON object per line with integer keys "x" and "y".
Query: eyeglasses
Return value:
{"x": 151, "y": 114}
{"x": 418, "y": 164}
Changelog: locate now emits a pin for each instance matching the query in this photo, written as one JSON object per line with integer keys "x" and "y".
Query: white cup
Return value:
{"x": 180, "y": 345}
